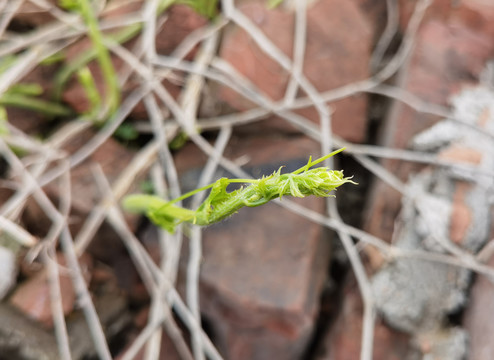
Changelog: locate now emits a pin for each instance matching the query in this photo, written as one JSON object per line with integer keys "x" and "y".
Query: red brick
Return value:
{"x": 337, "y": 53}
{"x": 33, "y": 296}
{"x": 343, "y": 341}
{"x": 31, "y": 15}
{"x": 262, "y": 269}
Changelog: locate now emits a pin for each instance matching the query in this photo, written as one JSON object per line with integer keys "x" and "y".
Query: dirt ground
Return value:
{"x": 103, "y": 99}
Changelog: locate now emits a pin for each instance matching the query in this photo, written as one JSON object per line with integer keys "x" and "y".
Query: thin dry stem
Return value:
{"x": 299, "y": 41}
{"x": 67, "y": 245}
{"x": 51, "y": 263}
{"x": 49, "y": 259}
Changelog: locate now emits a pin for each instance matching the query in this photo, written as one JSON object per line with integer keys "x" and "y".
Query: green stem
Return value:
{"x": 87, "y": 82}
{"x": 64, "y": 75}
{"x": 119, "y": 37}
{"x": 196, "y": 191}
{"x": 102, "y": 55}
{"x": 27, "y": 102}
{"x": 150, "y": 204}
{"x": 220, "y": 203}
{"x": 229, "y": 207}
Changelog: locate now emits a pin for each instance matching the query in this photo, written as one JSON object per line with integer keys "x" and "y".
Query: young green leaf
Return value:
{"x": 220, "y": 203}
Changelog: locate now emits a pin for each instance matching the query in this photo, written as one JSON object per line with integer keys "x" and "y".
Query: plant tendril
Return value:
{"x": 220, "y": 203}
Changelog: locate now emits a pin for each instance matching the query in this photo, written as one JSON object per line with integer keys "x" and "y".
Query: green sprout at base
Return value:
{"x": 221, "y": 204}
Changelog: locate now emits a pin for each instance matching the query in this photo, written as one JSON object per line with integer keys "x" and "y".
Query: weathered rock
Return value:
{"x": 476, "y": 15}
{"x": 32, "y": 297}
{"x": 416, "y": 295}
{"x": 24, "y": 339}
{"x": 445, "y": 58}
{"x": 337, "y": 53}
{"x": 113, "y": 313}
{"x": 477, "y": 320}
{"x": 445, "y": 344}
{"x": 343, "y": 341}
{"x": 263, "y": 268}
{"x": 468, "y": 192}
{"x": 440, "y": 209}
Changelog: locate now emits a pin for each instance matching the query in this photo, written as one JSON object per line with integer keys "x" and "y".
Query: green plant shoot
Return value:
{"x": 84, "y": 7}
{"x": 220, "y": 203}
